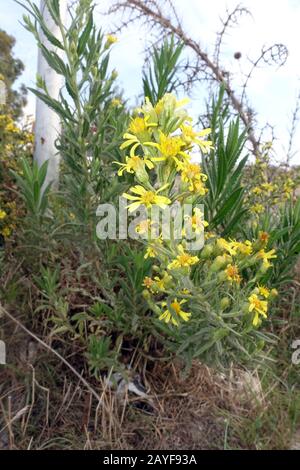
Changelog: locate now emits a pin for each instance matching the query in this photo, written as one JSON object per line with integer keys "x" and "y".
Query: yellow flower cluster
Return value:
{"x": 8, "y": 216}
{"x": 269, "y": 185}
{"x": 110, "y": 40}
{"x": 15, "y": 141}
{"x": 258, "y": 303}
{"x": 159, "y": 144}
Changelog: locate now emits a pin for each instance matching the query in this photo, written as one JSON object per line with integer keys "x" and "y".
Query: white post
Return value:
{"x": 47, "y": 122}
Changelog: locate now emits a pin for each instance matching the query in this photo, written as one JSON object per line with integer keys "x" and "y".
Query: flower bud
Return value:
{"x": 114, "y": 74}
{"x": 206, "y": 251}
{"x": 146, "y": 294}
{"x": 220, "y": 262}
{"x": 273, "y": 294}
{"x": 224, "y": 303}
{"x": 222, "y": 276}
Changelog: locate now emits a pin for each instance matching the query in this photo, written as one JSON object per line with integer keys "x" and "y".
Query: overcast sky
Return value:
{"x": 272, "y": 90}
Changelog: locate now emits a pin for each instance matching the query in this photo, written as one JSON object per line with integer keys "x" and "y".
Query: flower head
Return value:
{"x": 232, "y": 273}
{"x": 169, "y": 147}
{"x": 195, "y": 222}
{"x": 259, "y": 307}
{"x": 192, "y": 137}
{"x": 2, "y": 214}
{"x": 138, "y": 134}
{"x": 183, "y": 259}
{"x": 145, "y": 197}
{"x": 110, "y": 39}
{"x": 174, "y": 313}
{"x": 264, "y": 291}
{"x": 191, "y": 173}
{"x": 266, "y": 256}
{"x": 134, "y": 164}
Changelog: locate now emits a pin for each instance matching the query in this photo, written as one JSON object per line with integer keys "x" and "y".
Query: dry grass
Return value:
{"x": 44, "y": 407}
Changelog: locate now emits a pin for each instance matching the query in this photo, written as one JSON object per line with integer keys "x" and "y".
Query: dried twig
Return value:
{"x": 292, "y": 131}
{"x": 231, "y": 19}
{"x": 3, "y": 311}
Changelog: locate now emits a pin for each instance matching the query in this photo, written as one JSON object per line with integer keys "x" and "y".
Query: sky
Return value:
{"x": 272, "y": 91}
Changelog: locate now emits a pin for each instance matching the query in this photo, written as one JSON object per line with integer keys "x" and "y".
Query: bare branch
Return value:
{"x": 292, "y": 131}
{"x": 230, "y": 21}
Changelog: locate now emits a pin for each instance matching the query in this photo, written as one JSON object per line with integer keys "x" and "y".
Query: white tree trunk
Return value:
{"x": 47, "y": 122}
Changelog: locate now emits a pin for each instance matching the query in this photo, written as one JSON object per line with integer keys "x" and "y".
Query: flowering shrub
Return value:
{"x": 207, "y": 302}
{"x": 269, "y": 187}
{"x": 15, "y": 142}
{"x": 217, "y": 288}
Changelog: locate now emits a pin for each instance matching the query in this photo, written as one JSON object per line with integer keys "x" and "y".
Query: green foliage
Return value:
{"x": 283, "y": 228}
{"x": 161, "y": 76}
{"x": 100, "y": 355}
{"x": 133, "y": 269}
{"x": 224, "y": 168}
{"x": 286, "y": 237}
{"x": 31, "y": 187}
{"x": 92, "y": 119}
{"x": 10, "y": 70}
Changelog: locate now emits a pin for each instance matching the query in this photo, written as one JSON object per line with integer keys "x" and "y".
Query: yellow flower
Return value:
{"x": 183, "y": 260}
{"x": 138, "y": 125}
{"x": 268, "y": 187}
{"x": 134, "y": 164}
{"x": 263, "y": 291}
{"x": 2, "y": 214}
{"x": 148, "y": 282}
{"x": 6, "y": 231}
{"x": 169, "y": 147}
{"x": 224, "y": 245}
{"x": 147, "y": 198}
{"x": 111, "y": 39}
{"x": 256, "y": 190}
{"x": 197, "y": 219}
{"x": 153, "y": 249}
{"x": 185, "y": 292}
{"x": 190, "y": 136}
{"x": 11, "y": 128}
{"x": 266, "y": 256}
{"x": 257, "y": 208}
{"x": 150, "y": 252}
{"x": 191, "y": 173}
{"x": 263, "y": 236}
{"x": 245, "y": 248}
{"x": 170, "y": 104}
{"x": 198, "y": 187}
{"x": 196, "y": 222}
{"x": 232, "y": 273}
{"x": 175, "y": 313}
{"x": 116, "y": 102}
{"x": 138, "y": 134}
{"x": 164, "y": 282}
{"x": 259, "y": 307}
